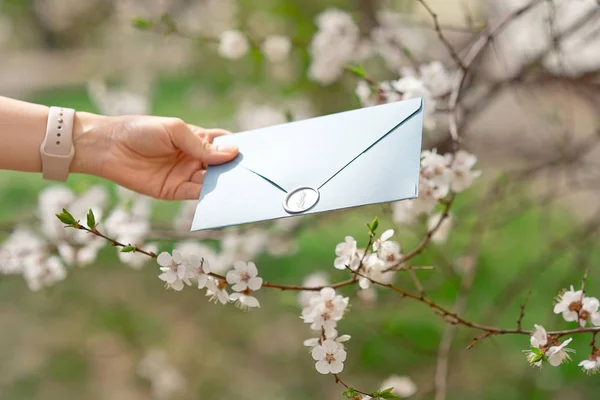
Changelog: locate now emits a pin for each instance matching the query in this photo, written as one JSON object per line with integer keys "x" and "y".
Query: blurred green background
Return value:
{"x": 84, "y": 337}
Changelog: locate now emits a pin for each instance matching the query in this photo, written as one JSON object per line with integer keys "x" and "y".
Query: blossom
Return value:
{"x": 462, "y": 173}
{"x": 374, "y": 270}
{"x": 540, "y": 349}
{"x": 435, "y": 167}
{"x": 198, "y": 268}
{"x": 116, "y": 102}
{"x": 436, "y": 78}
{"x": 276, "y": 48}
{"x": 325, "y": 309}
{"x": 216, "y": 291}
{"x": 403, "y": 385}
{"x": 41, "y": 272}
{"x": 387, "y": 250}
{"x": 79, "y": 256}
{"x": 244, "y": 301}
{"x": 233, "y": 44}
{"x": 443, "y": 228}
{"x": 244, "y": 276}
{"x": 329, "y": 357}
{"x": 313, "y": 280}
{"x": 333, "y": 46}
{"x": 592, "y": 364}
{"x": 164, "y": 378}
{"x": 574, "y": 306}
{"x": 559, "y": 354}
{"x": 539, "y": 338}
{"x": 174, "y": 272}
{"x": 348, "y": 256}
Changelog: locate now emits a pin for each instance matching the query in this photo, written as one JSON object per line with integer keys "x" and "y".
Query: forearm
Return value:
{"x": 22, "y": 130}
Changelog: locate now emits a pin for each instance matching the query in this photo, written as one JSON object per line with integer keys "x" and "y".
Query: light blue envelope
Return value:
{"x": 349, "y": 159}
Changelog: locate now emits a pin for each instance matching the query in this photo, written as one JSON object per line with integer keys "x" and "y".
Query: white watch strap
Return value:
{"x": 57, "y": 148}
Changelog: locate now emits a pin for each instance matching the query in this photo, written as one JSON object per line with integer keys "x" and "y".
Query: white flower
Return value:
{"x": 233, "y": 44}
{"x": 382, "y": 239}
{"x": 443, "y": 230}
{"x": 329, "y": 357}
{"x": 244, "y": 276}
{"x": 592, "y": 364}
{"x": 313, "y": 280}
{"x": 39, "y": 273}
{"x": 333, "y": 46}
{"x": 347, "y": 255}
{"x": 435, "y": 167}
{"x": 410, "y": 87}
{"x": 216, "y": 291}
{"x": 276, "y": 48}
{"x": 374, "y": 268}
{"x": 174, "y": 272}
{"x": 403, "y": 385}
{"x": 363, "y": 92}
{"x": 539, "y": 337}
{"x": 436, "y": 78}
{"x": 367, "y": 297}
{"x": 198, "y": 268}
{"x": 575, "y": 307}
{"x": 243, "y": 301}
{"x": 462, "y": 175}
{"x": 559, "y": 354}
{"x": 387, "y": 250}
{"x": 325, "y": 309}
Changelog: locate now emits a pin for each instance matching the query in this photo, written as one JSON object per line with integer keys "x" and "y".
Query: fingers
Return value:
{"x": 188, "y": 191}
{"x": 198, "y": 176}
{"x": 199, "y": 148}
{"x": 208, "y": 133}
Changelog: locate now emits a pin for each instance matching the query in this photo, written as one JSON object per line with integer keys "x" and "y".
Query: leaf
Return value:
{"x": 373, "y": 225}
{"x": 358, "y": 70}
{"x": 66, "y": 218}
{"x": 406, "y": 52}
{"x": 128, "y": 249}
{"x": 142, "y": 23}
{"x": 91, "y": 220}
{"x": 350, "y": 393}
{"x": 387, "y": 394}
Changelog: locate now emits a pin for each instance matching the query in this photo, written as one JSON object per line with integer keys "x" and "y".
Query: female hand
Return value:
{"x": 164, "y": 158}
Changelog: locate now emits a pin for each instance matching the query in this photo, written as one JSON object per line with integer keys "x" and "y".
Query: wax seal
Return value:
{"x": 300, "y": 199}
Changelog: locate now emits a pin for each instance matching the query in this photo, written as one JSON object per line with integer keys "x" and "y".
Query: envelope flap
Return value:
{"x": 311, "y": 152}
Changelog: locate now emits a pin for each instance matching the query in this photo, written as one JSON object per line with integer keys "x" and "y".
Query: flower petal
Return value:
{"x": 318, "y": 353}
{"x": 255, "y": 283}
{"x": 323, "y": 367}
{"x": 251, "y": 269}
{"x": 177, "y": 285}
{"x": 336, "y": 367}
{"x": 164, "y": 259}
{"x": 387, "y": 234}
{"x": 330, "y": 346}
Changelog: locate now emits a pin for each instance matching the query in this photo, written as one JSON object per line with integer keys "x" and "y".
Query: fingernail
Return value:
{"x": 228, "y": 148}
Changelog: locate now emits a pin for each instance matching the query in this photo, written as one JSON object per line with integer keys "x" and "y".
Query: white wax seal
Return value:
{"x": 300, "y": 199}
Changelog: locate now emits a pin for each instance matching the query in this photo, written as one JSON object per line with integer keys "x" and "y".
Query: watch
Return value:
{"x": 57, "y": 148}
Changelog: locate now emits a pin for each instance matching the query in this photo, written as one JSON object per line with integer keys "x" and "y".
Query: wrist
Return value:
{"x": 88, "y": 143}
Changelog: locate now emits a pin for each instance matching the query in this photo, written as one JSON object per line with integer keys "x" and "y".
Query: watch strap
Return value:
{"x": 57, "y": 150}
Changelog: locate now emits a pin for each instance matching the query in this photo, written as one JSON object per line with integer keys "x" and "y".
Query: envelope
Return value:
{"x": 353, "y": 158}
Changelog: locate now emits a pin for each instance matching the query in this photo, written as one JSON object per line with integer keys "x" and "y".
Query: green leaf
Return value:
{"x": 289, "y": 117}
{"x": 406, "y": 52}
{"x": 128, "y": 249}
{"x": 373, "y": 225}
{"x": 142, "y": 23}
{"x": 387, "y": 394}
{"x": 350, "y": 393}
{"x": 66, "y": 218}
{"x": 91, "y": 220}
{"x": 358, "y": 70}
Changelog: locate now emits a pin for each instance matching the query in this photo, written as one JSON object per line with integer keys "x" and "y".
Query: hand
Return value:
{"x": 164, "y": 158}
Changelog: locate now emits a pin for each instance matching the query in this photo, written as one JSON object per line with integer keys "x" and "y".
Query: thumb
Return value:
{"x": 197, "y": 147}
